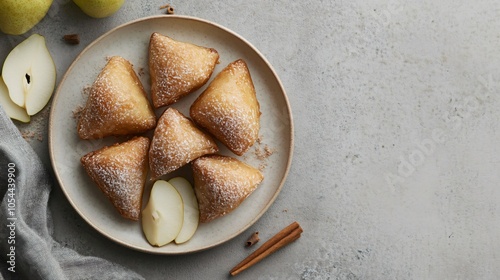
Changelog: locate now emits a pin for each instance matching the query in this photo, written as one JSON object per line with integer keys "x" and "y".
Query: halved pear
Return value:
{"x": 11, "y": 108}
{"x": 30, "y": 74}
{"x": 191, "y": 212}
{"x": 163, "y": 216}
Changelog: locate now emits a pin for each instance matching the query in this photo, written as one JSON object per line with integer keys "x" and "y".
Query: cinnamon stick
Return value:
{"x": 281, "y": 239}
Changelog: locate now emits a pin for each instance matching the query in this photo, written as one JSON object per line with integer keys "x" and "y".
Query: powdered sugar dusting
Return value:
{"x": 117, "y": 103}
{"x": 177, "y": 68}
{"x": 229, "y": 109}
{"x": 120, "y": 172}
{"x": 176, "y": 142}
{"x": 221, "y": 184}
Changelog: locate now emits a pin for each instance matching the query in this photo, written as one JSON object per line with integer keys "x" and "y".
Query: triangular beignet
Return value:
{"x": 117, "y": 103}
{"x": 229, "y": 109}
{"x": 177, "y": 68}
{"x": 176, "y": 142}
{"x": 221, "y": 184}
{"x": 120, "y": 172}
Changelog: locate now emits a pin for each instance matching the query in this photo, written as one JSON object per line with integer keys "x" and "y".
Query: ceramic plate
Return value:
{"x": 131, "y": 42}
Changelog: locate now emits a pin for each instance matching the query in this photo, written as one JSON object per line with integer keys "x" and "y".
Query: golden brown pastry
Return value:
{"x": 177, "y": 68}
{"x": 120, "y": 172}
{"x": 229, "y": 109}
{"x": 117, "y": 103}
{"x": 221, "y": 183}
{"x": 176, "y": 142}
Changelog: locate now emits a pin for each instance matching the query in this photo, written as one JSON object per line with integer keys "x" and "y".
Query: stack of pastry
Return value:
{"x": 117, "y": 105}
{"x": 226, "y": 110}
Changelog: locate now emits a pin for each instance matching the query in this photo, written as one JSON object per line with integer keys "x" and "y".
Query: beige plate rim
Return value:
{"x": 52, "y": 128}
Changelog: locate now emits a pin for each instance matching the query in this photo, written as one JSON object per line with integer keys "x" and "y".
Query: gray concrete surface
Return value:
{"x": 395, "y": 171}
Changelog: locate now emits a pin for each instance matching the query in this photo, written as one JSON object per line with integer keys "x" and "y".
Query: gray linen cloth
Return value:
{"x": 37, "y": 254}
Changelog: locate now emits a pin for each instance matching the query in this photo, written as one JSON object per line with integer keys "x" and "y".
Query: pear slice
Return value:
{"x": 30, "y": 74}
{"x": 163, "y": 216}
{"x": 177, "y": 68}
{"x": 176, "y": 142}
{"x": 120, "y": 172}
{"x": 229, "y": 109}
{"x": 221, "y": 184}
{"x": 11, "y": 108}
{"x": 191, "y": 212}
{"x": 117, "y": 103}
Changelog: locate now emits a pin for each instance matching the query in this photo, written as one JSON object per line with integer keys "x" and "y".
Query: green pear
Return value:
{"x": 19, "y": 16}
{"x": 99, "y": 8}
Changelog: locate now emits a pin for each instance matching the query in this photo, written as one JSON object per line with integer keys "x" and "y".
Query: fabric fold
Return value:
{"x": 26, "y": 220}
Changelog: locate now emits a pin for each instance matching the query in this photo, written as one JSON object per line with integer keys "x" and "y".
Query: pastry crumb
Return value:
{"x": 28, "y": 135}
{"x": 268, "y": 151}
{"x": 262, "y": 166}
{"x": 86, "y": 90}
{"x": 77, "y": 112}
{"x": 262, "y": 154}
{"x": 141, "y": 72}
